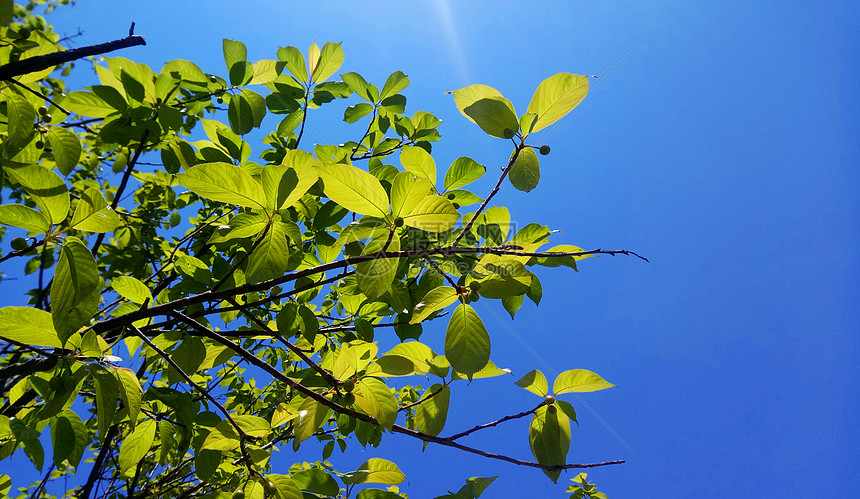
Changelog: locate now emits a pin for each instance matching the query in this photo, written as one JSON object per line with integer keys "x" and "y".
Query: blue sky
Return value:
{"x": 723, "y": 147}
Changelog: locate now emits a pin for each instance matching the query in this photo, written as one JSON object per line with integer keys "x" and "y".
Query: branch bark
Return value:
{"x": 40, "y": 62}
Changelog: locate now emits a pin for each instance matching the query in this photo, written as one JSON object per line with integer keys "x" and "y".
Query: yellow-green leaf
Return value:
{"x": 66, "y": 148}
{"x": 579, "y": 380}
{"x": 486, "y": 107}
{"x": 549, "y": 438}
{"x": 93, "y": 214}
{"x": 525, "y": 172}
{"x": 225, "y": 183}
{"x": 534, "y": 382}
{"x": 23, "y": 217}
{"x": 354, "y": 189}
{"x": 418, "y": 161}
{"x": 431, "y": 415}
{"x": 436, "y": 299}
{"x": 29, "y": 326}
{"x": 407, "y": 191}
{"x": 330, "y": 60}
{"x": 433, "y": 214}
{"x": 374, "y": 277}
{"x": 555, "y": 97}
{"x": 47, "y": 189}
{"x": 75, "y": 290}
{"x": 135, "y": 446}
{"x": 131, "y": 289}
{"x": 467, "y": 344}
{"x": 375, "y": 398}
{"x": 375, "y": 470}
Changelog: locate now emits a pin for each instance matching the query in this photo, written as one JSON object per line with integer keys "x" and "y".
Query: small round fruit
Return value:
{"x": 451, "y": 195}
{"x": 509, "y": 133}
{"x": 544, "y": 149}
{"x": 349, "y": 399}
{"x": 39, "y": 144}
{"x": 270, "y": 488}
{"x": 24, "y": 32}
{"x": 43, "y": 111}
{"x": 549, "y": 399}
{"x": 475, "y": 285}
{"x": 398, "y": 222}
{"x": 46, "y": 117}
{"x": 18, "y": 244}
{"x": 213, "y": 79}
{"x": 219, "y": 100}
{"x": 456, "y": 206}
{"x": 238, "y": 495}
{"x": 348, "y": 385}
{"x": 474, "y": 296}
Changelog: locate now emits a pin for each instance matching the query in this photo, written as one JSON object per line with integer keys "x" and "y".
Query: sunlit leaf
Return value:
{"x": 535, "y": 382}
{"x": 555, "y": 97}
{"x": 486, "y": 107}
{"x": 419, "y": 162}
{"x": 431, "y": 415}
{"x": 354, "y": 189}
{"x": 467, "y": 344}
{"x": 29, "y": 326}
{"x": 93, "y": 214}
{"x": 525, "y": 172}
{"x": 76, "y": 287}
{"x": 579, "y": 380}
{"x": 135, "y": 446}
{"x": 463, "y": 171}
{"x": 23, "y": 217}
{"x": 436, "y": 299}
{"x": 48, "y": 190}
{"x": 375, "y": 470}
{"x": 225, "y": 183}
{"x": 549, "y": 438}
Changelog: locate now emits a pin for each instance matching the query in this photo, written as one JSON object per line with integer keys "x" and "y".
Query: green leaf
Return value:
{"x": 431, "y": 415}
{"x": 236, "y": 58}
{"x": 66, "y": 148}
{"x": 419, "y": 162}
{"x": 467, "y": 344}
{"x": 463, "y": 171}
{"x": 70, "y": 437}
{"x": 130, "y": 392}
{"x": 502, "y": 276}
{"x": 567, "y": 409}
{"x": 265, "y": 71}
{"x": 407, "y": 191}
{"x": 223, "y": 437}
{"x": 527, "y": 122}
{"x": 246, "y": 111}
{"x": 88, "y": 104}
{"x": 375, "y": 470}
{"x": 487, "y": 108}
{"x": 135, "y": 446}
{"x": 534, "y": 382}
{"x": 462, "y": 197}
{"x": 406, "y": 359}
{"x": 131, "y": 289}
{"x": 48, "y": 190}
{"x": 549, "y": 438}
{"x": 374, "y": 277}
{"x": 490, "y": 370}
{"x": 513, "y": 303}
{"x": 285, "y": 487}
{"x": 225, "y": 183}
{"x": 525, "y": 172}
{"x": 360, "y": 87}
{"x": 433, "y": 214}
{"x": 23, "y": 217}
{"x": 93, "y": 214}
{"x": 579, "y": 380}
{"x": 285, "y": 185}
{"x": 354, "y": 189}
{"x": 76, "y": 288}
{"x": 22, "y": 116}
{"x": 107, "y": 394}
{"x": 311, "y": 416}
{"x": 294, "y": 61}
{"x": 356, "y": 112}
{"x": 375, "y": 398}
{"x": 29, "y": 326}
{"x": 395, "y": 83}
{"x": 330, "y": 60}
{"x": 316, "y": 481}
{"x": 555, "y": 97}
{"x": 436, "y": 299}
{"x": 271, "y": 257}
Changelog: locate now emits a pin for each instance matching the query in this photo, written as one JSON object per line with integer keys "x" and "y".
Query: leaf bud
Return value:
{"x": 398, "y": 222}
{"x": 544, "y": 149}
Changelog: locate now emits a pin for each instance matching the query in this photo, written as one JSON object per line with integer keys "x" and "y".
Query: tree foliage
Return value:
{"x": 201, "y": 299}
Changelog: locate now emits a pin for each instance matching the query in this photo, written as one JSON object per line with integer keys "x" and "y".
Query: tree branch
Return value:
{"x": 40, "y": 62}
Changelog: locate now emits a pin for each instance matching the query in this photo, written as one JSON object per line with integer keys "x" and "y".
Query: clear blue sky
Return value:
{"x": 724, "y": 147}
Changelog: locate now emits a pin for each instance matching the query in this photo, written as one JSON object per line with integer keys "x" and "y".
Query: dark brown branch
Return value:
{"x": 278, "y": 375}
{"x": 492, "y": 193}
{"x": 494, "y": 423}
{"x": 170, "y": 307}
{"x": 421, "y": 401}
{"x": 40, "y": 62}
{"x": 40, "y": 95}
